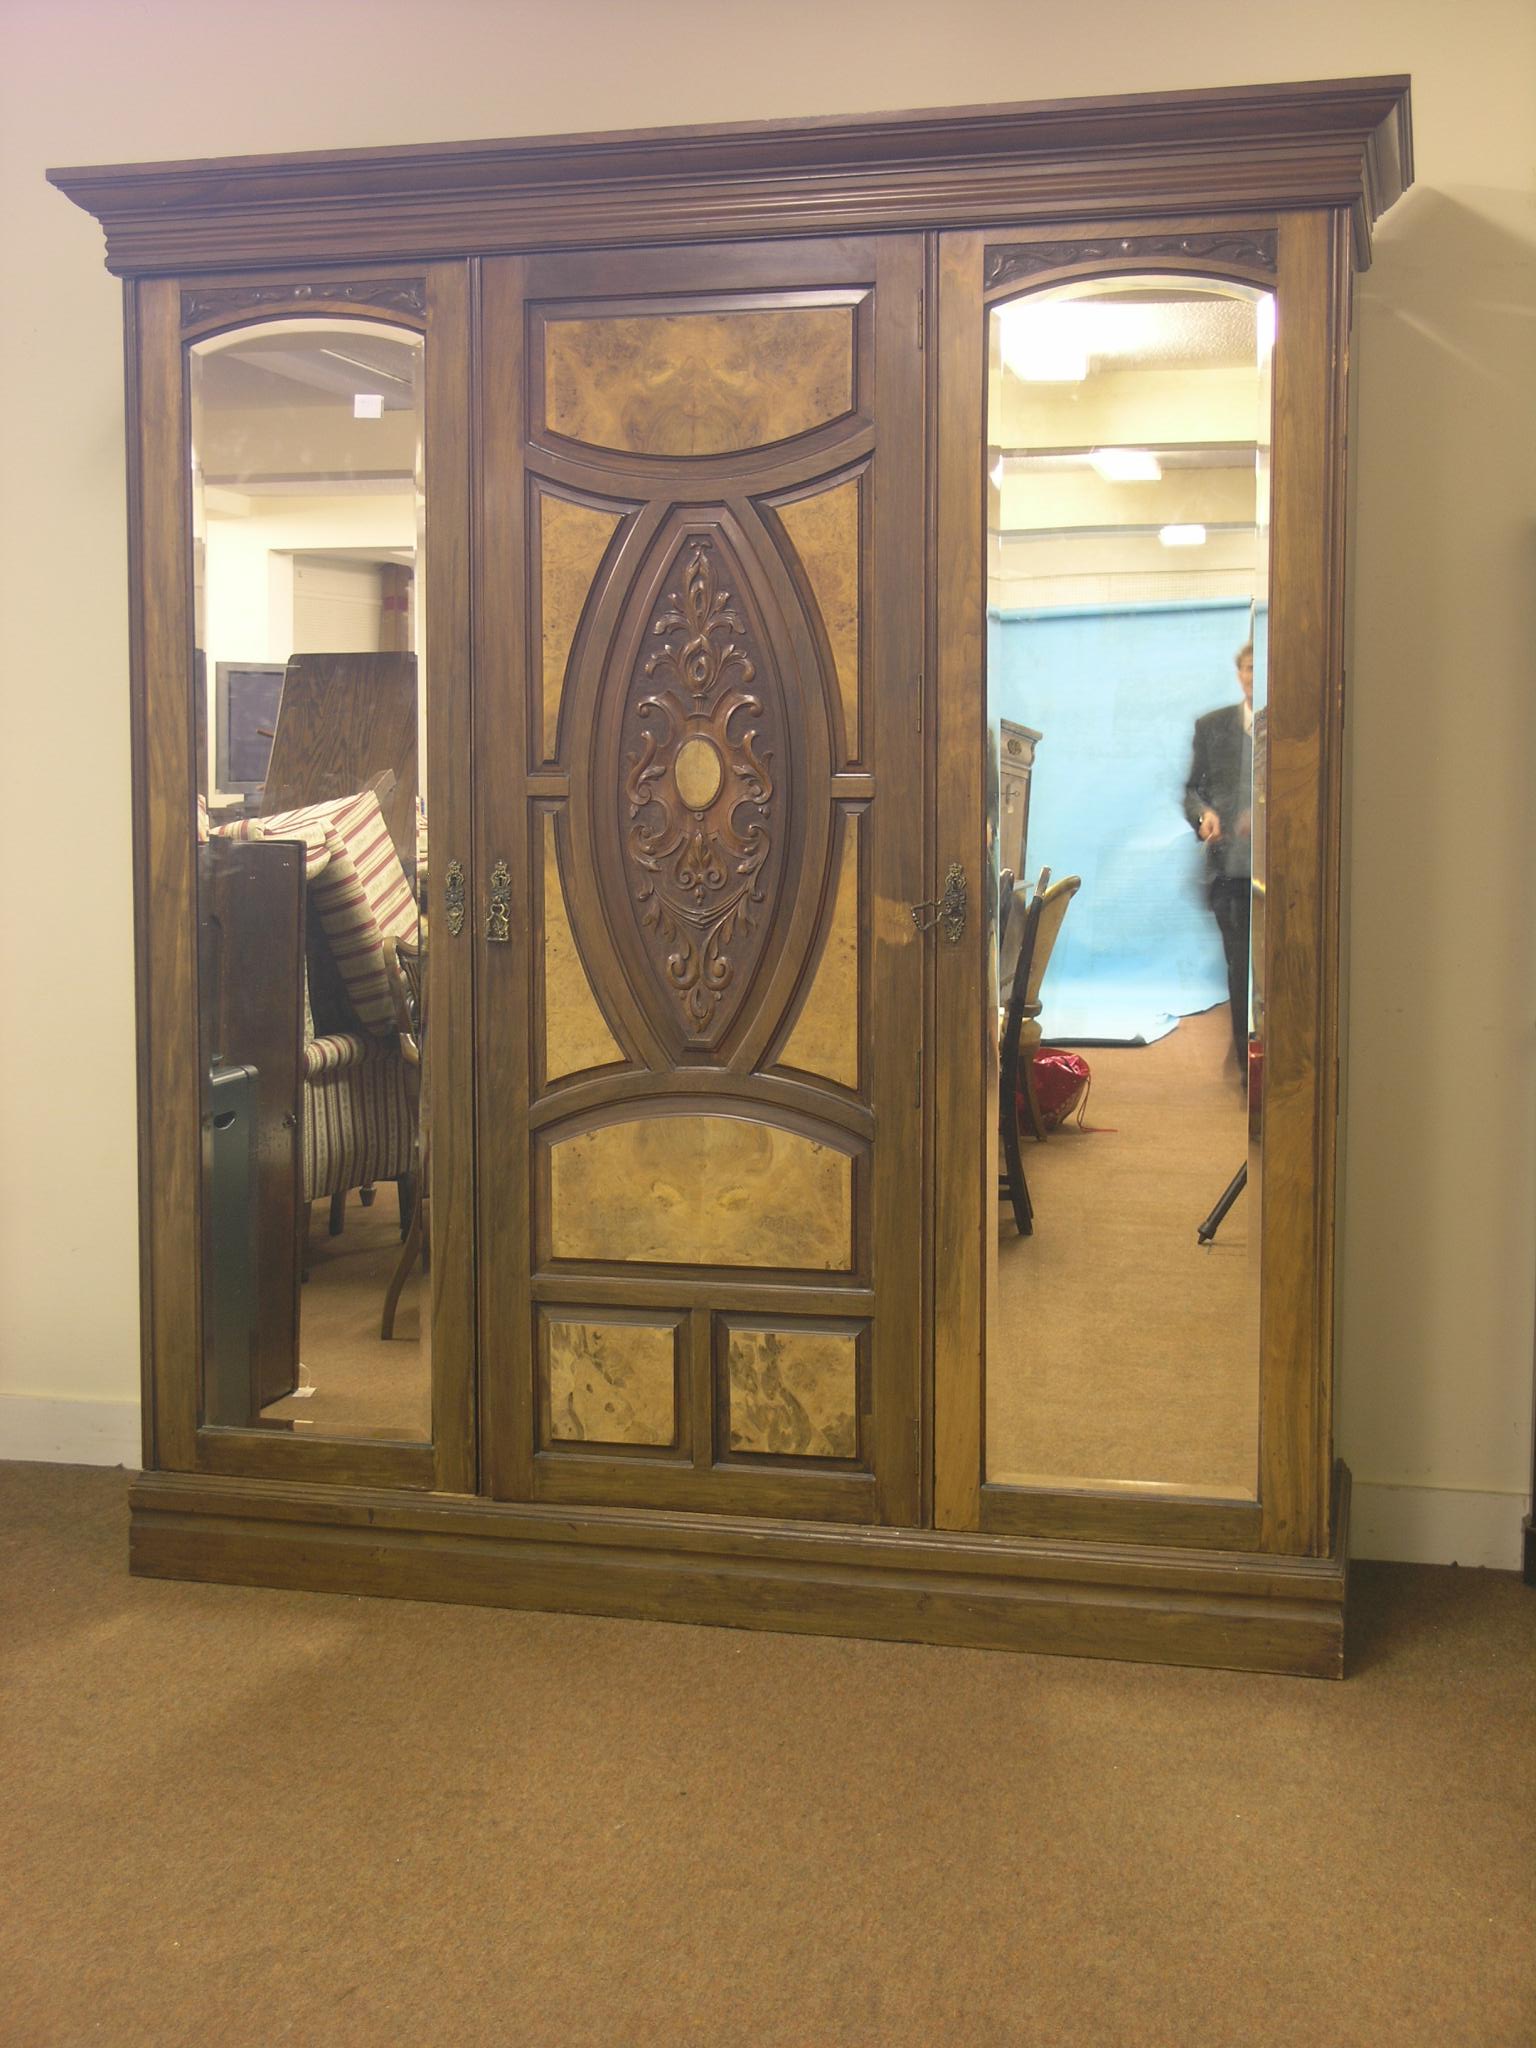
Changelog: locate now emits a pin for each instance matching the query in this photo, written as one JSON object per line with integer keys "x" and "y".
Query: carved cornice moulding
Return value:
{"x": 1340, "y": 142}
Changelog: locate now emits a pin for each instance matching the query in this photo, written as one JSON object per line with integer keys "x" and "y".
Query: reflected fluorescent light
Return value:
{"x": 368, "y": 405}
{"x": 1265, "y": 323}
{"x": 1045, "y": 344}
{"x": 1127, "y": 465}
{"x": 1182, "y": 536}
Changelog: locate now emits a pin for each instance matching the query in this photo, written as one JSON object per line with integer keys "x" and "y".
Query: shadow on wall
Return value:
{"x": 1438, "y": 1200}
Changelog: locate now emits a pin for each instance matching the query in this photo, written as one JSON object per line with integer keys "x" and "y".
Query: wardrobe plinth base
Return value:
{"x": 1225, "y": 1609}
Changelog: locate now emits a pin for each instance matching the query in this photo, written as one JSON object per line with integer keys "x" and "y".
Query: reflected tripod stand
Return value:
{"x": 1206, "y": 1232}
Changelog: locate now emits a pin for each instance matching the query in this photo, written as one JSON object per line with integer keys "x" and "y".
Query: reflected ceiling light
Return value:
{"x": 1127, "y": 465}
{"x": 1045, "y": 344}
{"x": 1182, "y": 536}
{"x": 1265, "y": 325}
{"x": 368, "y": 405}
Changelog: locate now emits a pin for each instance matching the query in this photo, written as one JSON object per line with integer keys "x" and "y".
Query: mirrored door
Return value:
{"x": 316, "y": 456}
{"x": 1106, "y": 758}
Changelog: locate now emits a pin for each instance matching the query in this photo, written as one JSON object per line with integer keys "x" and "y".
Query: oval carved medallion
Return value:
{"x": 703, "y": 750}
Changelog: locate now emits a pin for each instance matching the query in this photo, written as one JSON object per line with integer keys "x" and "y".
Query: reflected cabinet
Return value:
{"x": 737, "y": 767}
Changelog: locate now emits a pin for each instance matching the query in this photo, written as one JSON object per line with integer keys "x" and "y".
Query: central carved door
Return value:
{"x": 700, "y": 828}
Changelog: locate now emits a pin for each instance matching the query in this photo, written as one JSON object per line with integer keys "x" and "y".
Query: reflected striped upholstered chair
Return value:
{"x": 358, "y": 1112}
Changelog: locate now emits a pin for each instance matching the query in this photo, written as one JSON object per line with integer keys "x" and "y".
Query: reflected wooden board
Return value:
{"x": 701, "y": 1191}
{"x": 697, "y": 383}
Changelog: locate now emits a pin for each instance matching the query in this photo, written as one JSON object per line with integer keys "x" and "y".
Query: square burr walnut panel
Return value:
{"x": 791, "y": 1391}
{"x": 609, "y": 1378}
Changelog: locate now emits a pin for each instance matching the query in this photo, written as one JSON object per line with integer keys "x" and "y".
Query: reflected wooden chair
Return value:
{"x": 408, "y": 982}
{"x": 1038, "y": 921}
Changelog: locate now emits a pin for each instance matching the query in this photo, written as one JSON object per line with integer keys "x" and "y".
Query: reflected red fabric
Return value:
{"x": 1062, "y": 1080}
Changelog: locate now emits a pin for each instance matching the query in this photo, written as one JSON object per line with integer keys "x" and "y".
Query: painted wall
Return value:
{"x": 1439, "y": 1265}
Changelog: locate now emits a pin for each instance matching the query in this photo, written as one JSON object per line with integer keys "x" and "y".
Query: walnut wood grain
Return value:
{"x": 1190, "y": 251}
{"x": 451, "y": 436}
{"x": 774, "y": 216}
{"x": 824, "y": 530}
{"x": 1239, "y": 1611}
{"x": 1301, "y": 913}
{"x": 826, "y": 1036}
{"x": 1340, "y": 142}
{"x": 697, "y": 383}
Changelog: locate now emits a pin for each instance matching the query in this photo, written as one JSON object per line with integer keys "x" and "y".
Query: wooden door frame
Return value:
{"x": 164, "y": 315}
{"x": 512, "y": 1296}
{"x": 1305, "y": 258}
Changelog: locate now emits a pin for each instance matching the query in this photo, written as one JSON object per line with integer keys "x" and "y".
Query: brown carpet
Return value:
{"x": 1123, "y": 1351}
{"x": 358, "y": 1385}
{"x": 239, "y": 1818}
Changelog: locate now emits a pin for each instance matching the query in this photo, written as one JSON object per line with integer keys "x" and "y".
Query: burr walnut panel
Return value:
{"x": 610, "y": 1382}
{"x": 572, "y": 539}
{"x": 825, "y": 532}
{"x": 792, "y": 1392}
{"x": 679, "y": 384}
{"x": 701, "y": 1190}
{"x": 575, "y": 1034}
{"x": 825, "y": 1039}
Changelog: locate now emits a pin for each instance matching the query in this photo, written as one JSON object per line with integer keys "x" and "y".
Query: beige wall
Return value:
{"x": 1440, "y": 1252}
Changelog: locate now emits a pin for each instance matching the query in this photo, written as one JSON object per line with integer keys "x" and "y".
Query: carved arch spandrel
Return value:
{"x": 826, "y": 1037}
{"x": 399, "y": 301}
{"x": 571, "y": 541}
{"x": 1231, "y": 256}
{"x": 822, "y": 533}
{"x": 574, "y": 1037}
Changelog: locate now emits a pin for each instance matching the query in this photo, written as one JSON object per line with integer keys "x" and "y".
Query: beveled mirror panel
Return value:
{"x": 307, "y": 497}
{"x": 1127, "y": 535}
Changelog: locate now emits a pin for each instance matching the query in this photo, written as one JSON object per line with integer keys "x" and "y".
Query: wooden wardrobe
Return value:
{"x": 704, "y": 538}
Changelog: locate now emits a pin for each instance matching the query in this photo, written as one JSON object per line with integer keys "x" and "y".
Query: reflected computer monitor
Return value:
{"x": 247, "y": 694}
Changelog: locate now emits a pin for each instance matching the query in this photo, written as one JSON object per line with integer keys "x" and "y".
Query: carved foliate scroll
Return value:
{"x": 389, "y": 294}
{"x": 704, "y": 753}
{"x": 1249, "y": 249}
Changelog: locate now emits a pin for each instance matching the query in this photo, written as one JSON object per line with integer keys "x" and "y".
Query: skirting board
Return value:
{"x": 47, "y": 1431}
{"x": 1225, "y": 1609}
{"x": 1437, "y": 1525}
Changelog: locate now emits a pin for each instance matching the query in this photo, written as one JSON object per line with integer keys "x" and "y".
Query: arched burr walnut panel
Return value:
{"x": 696, "y": 382}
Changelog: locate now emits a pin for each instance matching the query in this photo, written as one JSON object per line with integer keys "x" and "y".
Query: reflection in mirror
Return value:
{"x": 1128, "y": 530}
{"x": 311, "y": 866}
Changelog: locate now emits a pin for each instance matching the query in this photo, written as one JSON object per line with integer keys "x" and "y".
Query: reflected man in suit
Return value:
{"x": 1218, "y": 802}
